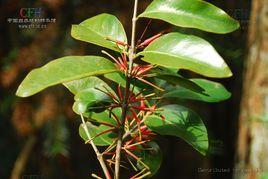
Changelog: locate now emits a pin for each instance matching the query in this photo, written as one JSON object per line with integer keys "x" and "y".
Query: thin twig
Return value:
{"x": 99, "y": 155}
{"x": 23, "y": 158}
{"x": 145, "y": 175}
{"x": 145, "y": 30}
{"x": 141, "y": 172}
{"x": 95, "y": 176}
{"x": 101, "y": 133}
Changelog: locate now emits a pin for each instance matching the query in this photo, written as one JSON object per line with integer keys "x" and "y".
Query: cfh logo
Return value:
{"x": 30, "y": 12}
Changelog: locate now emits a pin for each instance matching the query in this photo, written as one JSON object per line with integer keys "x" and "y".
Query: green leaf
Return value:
{"x": 90, "y": 100}
{"x": 117, "y": 78}
{"x": 213, "y": 92}
{"x": 104, "y": 116}
{"x": 102, "y": 140}
{"x": 97, "y": 29}
{"x": 175, "y": 50}
{"x": 181, "y": 122}
{"x": 63, "y": 70}
{"x": 88, "y": 95}
{"x": 152, "y": 157}
{"x": 171, "y": 77}
{"x": 84, "y": 84}
{"x": 192, "y": 14}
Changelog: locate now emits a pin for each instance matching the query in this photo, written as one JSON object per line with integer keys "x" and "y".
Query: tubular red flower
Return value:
{"x": 150, "y": 40}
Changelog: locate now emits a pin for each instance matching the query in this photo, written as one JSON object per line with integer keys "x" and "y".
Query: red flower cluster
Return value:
{"x": 137, "y": 135}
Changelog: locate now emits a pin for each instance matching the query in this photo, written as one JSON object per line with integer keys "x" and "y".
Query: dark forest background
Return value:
{"x": 43, "y": 129}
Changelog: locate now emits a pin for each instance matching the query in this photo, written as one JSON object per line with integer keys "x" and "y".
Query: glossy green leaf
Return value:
{"x": 97, "y": 29}
{"x": 171, "y": 77}
{"x": 84, "y": 84}
{"x": 175, "y": 50}
{"x": 105, "y": 116}
{"x": 81, "y": 107}
{"x": 191, "y": 14}
{"x": 117, "y": 78}
{"x": 213, "y": 92}
{"x": 152, "y": 156}
{"x": 102, "y": 140}
{"x": 88, "y": 94}
{"x": 90, "y": 100}
{"x": 181, "y": 122}
{"x": 63, "y": 70}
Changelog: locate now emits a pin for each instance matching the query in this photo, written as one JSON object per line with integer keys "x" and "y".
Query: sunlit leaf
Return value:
{"x": 192, "y": 14}
{"x": 117, "y": 78}
{"x": 213, "y": 92}
{"x": 63, "y": 70}
{"x": 152, "y": 156}
{"x": 83, "y": 84}
{"x": 181, "y": 122}
{"x": 94, "y": 131}
{"x": 171, "y": 77}
{"x": 89, "y": 94}
{"x": 179, "y": 51}
{"x": 90, "y": 100}
{"x": 106, "y": 117}
{"x": 97, "y": 29}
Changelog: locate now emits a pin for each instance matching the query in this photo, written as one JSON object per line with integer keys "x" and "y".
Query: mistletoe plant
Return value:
{"x": 124, "y": 99}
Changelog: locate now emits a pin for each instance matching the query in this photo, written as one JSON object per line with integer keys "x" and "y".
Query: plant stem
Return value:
{"x": 23, "y": 157}
{"x": 133, "y": 36}
{"x": 126, "y": 95}
{"x": 99, "y": 155}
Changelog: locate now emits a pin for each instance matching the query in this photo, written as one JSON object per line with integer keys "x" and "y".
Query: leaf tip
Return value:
{"x": 235, "y": 26}
{"x": 228, "y": 95}
{"x": 204, "y": 153}
{"x": 18, "y": 94}
{"x": 230, "y": 73}
{"x": 226, "y": 73}
{"x": 21, "y": 93}
{"x": 74, "y": 29}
